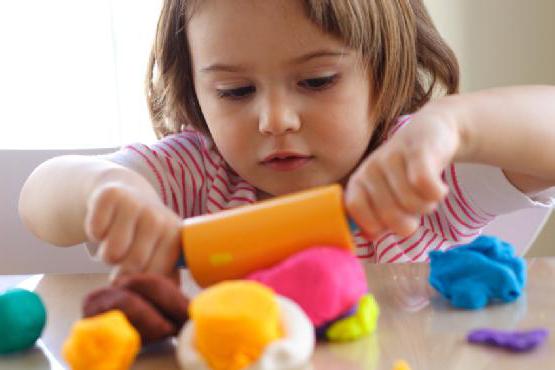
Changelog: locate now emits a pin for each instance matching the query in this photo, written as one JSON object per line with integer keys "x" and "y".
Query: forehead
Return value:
{"x": 244, "y": 30}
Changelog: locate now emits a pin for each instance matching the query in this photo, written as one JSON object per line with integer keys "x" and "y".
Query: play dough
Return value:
{"x": 106, "y": 341}
{"x": 473, "y": 275}
{"x": 325, "y": 281}
{"x": 234, "y": 322}
{"x": 244, "y": 325}
{"x": 401, "y": 365}
{"x": 516, "y": 341}
{"x": 22, "y": 319}
{"x": 362, "y": 322}
{"x": 153, "y": 304}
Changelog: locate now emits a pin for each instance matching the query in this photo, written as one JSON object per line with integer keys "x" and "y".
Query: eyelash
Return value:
{"x": 242, "y": 92}
{"x": 236, "y": 94}
{"x": 324, "y": 82}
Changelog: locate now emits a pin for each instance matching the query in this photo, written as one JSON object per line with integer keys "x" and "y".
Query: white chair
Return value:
{"x": 519, "y": 228}
{"x": 20, "y": 251}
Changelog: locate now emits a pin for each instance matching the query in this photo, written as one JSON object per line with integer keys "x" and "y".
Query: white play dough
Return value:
{"x": 292, "y": 351}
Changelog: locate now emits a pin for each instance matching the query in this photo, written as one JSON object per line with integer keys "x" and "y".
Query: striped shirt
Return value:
{"x": 192, "y": 179}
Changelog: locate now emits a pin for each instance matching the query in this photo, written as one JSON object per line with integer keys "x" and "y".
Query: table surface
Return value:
{"x": 415, "y": 325}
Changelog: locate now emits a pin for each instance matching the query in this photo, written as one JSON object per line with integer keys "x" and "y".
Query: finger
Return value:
{"x": 118, "y": 241}
{"x": 114, "y": 274}
{"x": 148, "y": 231}
{"x": 100, "y": 212}
{"x": 168, "y": 250}
{"x": 161, "y": 291}
{"x": 151, "y": 324}
{"x": 406, "y": 195}
{"x": 388, "y": 211}
{"x": 359, "y": 207}
{"x": 425, "y": 178}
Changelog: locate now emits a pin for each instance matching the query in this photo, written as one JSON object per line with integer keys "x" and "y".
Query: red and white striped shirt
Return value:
{"x": 192, "y": 178}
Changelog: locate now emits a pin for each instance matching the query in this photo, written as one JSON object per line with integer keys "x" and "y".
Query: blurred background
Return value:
{"x": 499, "y": 43}
{"x": 73, "y": 70}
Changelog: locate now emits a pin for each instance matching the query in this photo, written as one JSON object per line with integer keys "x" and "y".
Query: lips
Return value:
{"x": 286, "y": 161}
{"x": 284, "y": 155}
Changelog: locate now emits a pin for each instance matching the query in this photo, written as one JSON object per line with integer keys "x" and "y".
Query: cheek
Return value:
{"x": 223, "y": 126}
{"x": 352, "y": 145}
{"x": 347, "y": 116}
{"x": 346, "y": 130}
{"x": 231, "y": 141}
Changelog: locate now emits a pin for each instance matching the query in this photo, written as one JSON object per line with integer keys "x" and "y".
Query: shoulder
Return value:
{"x": 187, "y": 152}
{"x": 188, "y": 141}
{"x": 189, "y": 148}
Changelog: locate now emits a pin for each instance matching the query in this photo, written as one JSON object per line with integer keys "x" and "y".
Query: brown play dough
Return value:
{"x": 153, "y": 304}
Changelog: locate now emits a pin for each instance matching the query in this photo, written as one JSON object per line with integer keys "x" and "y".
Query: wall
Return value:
{"x": 499, "y": 43}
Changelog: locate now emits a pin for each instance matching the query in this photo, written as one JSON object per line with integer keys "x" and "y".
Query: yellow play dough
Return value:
{"x": 401, "y": 365}
{"x": 103, "y": 342}
{"x": 234, "y": 322}
{"x": 363, "y": 322}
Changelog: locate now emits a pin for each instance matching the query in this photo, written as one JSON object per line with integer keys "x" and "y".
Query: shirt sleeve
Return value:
{"x": 488, "y": 189}
{"x": 174, "y": 166}
{"x": 477, "y": 194}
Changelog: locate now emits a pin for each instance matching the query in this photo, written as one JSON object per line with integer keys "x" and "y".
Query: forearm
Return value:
{"x": 511, "y": 128}
{"x": 53, "y": 200}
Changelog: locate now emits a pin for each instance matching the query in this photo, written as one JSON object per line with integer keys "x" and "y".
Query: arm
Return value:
{"x": 70, "y": 199}
{"x": 53, "y": 200}
{"x": 510, "y": 128}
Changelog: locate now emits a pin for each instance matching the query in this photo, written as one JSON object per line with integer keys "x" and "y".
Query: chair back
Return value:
{"x": 20, "y": 251}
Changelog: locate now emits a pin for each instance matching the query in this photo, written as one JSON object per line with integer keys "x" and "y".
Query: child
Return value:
{"x": 253, "y": 99}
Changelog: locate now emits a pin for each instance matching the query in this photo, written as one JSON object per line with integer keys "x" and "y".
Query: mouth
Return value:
{"x": 286, "y": 161}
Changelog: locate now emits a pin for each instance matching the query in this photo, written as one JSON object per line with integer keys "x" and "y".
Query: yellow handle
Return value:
{"x": 232, "y": 243}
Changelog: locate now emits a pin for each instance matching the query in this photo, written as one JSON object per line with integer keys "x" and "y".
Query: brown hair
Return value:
{"x": 407, "y": 59}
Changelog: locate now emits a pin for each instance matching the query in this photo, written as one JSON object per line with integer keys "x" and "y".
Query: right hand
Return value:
{"x": 135, "y": 232}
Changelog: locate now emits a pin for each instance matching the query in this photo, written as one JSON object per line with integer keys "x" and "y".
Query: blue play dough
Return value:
{"x": 473, "y": 275}
{"x": 22, "y": 319}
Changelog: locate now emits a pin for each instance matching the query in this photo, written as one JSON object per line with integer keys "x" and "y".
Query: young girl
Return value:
{"x": 253, "y": 99}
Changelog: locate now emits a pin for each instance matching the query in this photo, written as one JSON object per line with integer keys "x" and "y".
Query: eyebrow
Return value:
{"x": 217, "y": 67}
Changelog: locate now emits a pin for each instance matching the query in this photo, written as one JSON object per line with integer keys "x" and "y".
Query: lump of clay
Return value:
{"x": 476, "y": 274}
{"x": 401, "y": 365}
{"x": 106, "y": 341}
{"x": 515, "y": 341}
{"x": 22, "y": 319}
{"x": 361, "y": 323}
{"x": 244, "y": 325}
{"x": 153, "y": 304}
{"x": 325, "y": 281}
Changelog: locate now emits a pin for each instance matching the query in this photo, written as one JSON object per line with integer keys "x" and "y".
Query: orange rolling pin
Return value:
{"x": 232, "y": 243}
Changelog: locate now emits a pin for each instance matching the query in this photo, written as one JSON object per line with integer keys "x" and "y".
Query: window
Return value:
{"x": 73, "y": 72}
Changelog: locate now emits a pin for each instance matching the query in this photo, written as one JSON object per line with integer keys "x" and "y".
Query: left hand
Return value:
{"x": 401, "y": 179}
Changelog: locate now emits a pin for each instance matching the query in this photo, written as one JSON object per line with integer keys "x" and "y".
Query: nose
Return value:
{"x": 278, "y": 116}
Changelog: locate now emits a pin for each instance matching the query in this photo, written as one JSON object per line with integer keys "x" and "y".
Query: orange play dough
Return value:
{"x": 106, "y": 341}
{"x": 234, "y": 322}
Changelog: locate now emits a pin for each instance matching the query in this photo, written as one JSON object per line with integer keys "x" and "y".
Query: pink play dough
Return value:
{"x": 325, "y": 281}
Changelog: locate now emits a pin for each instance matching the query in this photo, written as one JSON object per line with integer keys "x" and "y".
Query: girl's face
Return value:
{"x": 288, "y": 106}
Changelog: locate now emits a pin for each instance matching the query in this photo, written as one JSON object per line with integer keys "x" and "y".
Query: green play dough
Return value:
{"x": 22, "y": 318}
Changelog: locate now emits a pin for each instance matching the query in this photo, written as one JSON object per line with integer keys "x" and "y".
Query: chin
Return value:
{"x": 290, "y": 189}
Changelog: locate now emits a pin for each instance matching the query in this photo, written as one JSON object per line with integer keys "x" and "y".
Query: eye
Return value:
{"x": 238, "y": 93}
{"x": 319, "y": 83}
